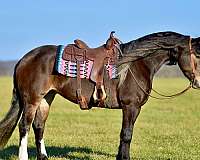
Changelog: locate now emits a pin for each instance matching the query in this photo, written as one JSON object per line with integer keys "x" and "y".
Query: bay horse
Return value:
{"x": 36, "y": 83}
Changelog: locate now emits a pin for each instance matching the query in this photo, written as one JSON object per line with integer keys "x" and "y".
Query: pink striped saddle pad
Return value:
{"x": 69, "y": 67}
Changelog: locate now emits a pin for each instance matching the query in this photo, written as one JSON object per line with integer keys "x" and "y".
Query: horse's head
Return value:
{"x": 189, "y": 61}
{"x": 196, "y": 60}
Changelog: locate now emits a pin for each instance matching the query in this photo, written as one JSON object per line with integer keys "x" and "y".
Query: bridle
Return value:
{"x": 192, "y": 57}
{"x": 163, "y": 96}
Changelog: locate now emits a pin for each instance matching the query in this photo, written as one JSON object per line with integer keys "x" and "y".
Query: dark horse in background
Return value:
{"x": 36, "y": 84}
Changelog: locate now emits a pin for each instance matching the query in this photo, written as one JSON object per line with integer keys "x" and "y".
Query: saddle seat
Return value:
{"x": 80, "y": 52}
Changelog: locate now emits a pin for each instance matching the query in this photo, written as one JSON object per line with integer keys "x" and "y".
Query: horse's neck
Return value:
{"x": 151, "y": 64}
{"x": 155, "y": 62}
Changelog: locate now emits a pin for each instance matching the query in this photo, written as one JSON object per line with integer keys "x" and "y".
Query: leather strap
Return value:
{"x": 78, "y": 80}
{"x": 192, "y": 57}
{"x": 81, "y": 99}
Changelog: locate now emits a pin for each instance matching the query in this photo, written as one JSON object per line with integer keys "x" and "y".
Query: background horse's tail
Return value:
{"x": 8, "y": 124}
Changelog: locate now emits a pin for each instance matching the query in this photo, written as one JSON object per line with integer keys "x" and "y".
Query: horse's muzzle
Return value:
{"x": 196, "y": 84}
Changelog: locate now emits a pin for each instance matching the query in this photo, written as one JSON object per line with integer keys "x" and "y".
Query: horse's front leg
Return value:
{"x": 130, "y": 114}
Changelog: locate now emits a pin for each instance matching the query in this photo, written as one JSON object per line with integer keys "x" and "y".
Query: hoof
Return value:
{"x": 42, "y": 157}
{"x": 120, "y": 157}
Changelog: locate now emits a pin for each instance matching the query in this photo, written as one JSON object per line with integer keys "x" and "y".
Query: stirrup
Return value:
{"x": 95, "y": 94}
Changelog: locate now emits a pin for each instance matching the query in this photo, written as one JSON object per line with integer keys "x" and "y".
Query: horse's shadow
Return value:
{"x": 56, "y": 152}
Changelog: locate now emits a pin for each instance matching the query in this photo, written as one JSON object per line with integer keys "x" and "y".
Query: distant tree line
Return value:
{"x": 7, "y": 68}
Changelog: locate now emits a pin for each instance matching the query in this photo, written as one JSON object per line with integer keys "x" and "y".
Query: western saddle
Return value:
{"x": 105, "y": 54}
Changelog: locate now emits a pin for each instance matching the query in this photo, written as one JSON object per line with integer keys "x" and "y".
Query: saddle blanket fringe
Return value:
{"x": 69, "y": 68}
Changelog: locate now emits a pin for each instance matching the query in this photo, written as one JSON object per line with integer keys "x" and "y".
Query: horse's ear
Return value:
{"x": 110, "y": 43}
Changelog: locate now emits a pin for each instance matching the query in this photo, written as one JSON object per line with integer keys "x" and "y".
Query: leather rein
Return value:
{"x": 163, "y": 96}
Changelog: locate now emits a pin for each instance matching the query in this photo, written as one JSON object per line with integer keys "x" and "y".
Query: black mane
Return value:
{"x": 154, "y": 36}
{"x": 167, "y": 39}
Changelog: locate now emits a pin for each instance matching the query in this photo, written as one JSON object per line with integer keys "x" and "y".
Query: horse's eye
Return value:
{"x": 197, "y": 56}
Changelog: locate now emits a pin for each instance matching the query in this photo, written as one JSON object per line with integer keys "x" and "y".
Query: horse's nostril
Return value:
{"x": 196, "y": 84}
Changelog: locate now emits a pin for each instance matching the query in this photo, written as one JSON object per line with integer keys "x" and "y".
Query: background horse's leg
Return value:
{"x": 25, "y": 123}
{"x": 39, "y": 124}
{"x": 130, "y": 114}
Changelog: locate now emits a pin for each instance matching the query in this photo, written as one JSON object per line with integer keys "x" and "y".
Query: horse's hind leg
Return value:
{"x": 25, "y": 123}
{"x": 39, "y": 124}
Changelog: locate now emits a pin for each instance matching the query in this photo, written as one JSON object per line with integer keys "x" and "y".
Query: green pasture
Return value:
{"x": 165, "y": 129}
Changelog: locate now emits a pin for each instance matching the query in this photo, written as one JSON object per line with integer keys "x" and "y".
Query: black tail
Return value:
{"x": 8, "y": 124}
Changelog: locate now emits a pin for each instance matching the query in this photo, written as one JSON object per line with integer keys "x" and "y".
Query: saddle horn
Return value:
{"x": 110, "y": 43}
{"x": 111, "y": 34}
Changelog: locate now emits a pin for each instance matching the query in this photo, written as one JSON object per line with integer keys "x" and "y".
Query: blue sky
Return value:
{"x": 26, "y": 24}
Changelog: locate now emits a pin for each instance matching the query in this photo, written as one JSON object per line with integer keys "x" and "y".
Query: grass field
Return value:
{"x": 165, "y": 129}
